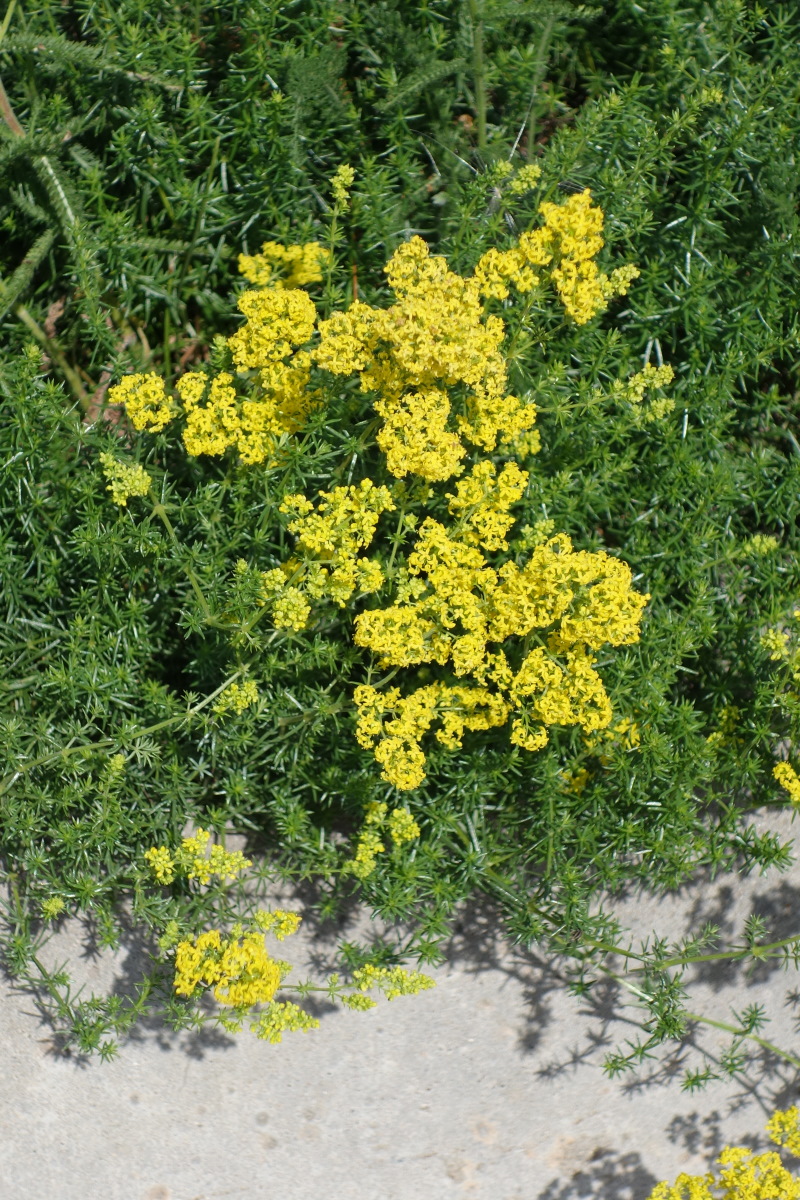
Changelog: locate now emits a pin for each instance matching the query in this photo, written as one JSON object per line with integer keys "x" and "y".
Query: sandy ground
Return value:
{"x": 488, "y": 1087}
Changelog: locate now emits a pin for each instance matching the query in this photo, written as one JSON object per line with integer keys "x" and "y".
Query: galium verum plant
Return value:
{"x": 477, "y": 637}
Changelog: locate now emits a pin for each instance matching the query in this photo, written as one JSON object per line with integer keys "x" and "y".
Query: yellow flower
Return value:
{"x": 783, "y": 1128}
{"x": 392, "y": 981}
{"x": 402, "y": 826}
{"x": 283, "y": 1018}
{"x": 282, "y": 924}
{"x": 566, "y": 246}
{"x": 415, "y": 438}
{"x": 760, "y": 543}
{"x": 145, "y": 400}
{"x": 161, "y": 863}
{"x": 284, "y": 266}
{"x": 526, "y": 178}
{"x": 126, "y": 479}
{"x": 238, "y": 969}
{"x": 482, "y": 501}
{"x": 52, "y": 907}
{"x": 190, "y": 860}
{"x": 237, "y": 698}
{"x": 776, "y": 641}
{"x": 578, "y": 600}
{"x": 744, "y": 1175}
{"x": 277, "y": 321}
{"x": 786, "y": 776}
{"x": 290, "y": 610}
{"x": 650, "y": 377}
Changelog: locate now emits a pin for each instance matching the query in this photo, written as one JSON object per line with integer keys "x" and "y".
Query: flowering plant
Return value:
{"x": 514, "y": 638}
{"x": 213, "y": 649}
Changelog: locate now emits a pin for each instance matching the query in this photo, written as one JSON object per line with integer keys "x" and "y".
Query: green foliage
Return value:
{"x": 148, "y": 158}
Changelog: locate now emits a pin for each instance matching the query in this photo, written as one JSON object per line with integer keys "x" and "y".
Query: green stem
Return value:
{"x": 161, "y": 512}
{"x": 198, "y": 225}
{"x": 541, "y": 62}
{"x": 54, "y": 351}
{"x": 740, "y": 1033}
{"x": 397, "y": 539}
{"x": 7, "y": 19}
{"x": 16, "y": 285}
{"x": 167, "y": 368}
{"x": 8, "y": 114}
{"x": 478, "y": 72}
{"x": 723, "y": 1025}
{"x": 762, "y": 951}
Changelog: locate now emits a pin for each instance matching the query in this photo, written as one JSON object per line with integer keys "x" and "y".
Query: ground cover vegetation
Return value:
{"x": 401, "y": 470}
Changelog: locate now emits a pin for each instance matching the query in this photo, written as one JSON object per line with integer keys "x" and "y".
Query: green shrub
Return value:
{"x": 179, "y": 152}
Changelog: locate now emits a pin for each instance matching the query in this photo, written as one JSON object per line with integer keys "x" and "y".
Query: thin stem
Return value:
{"x": 24, "y": 273}
{"x": 70, "y": 374}
{"x": 478, "y": 72}
{"x": 397, "y": 539}
{"x": 7, "y": 111}
{"x": 541, "y": 62}
{"x": 758, "y": 951}
{"x": 7, "y": 19}
{"x": 161, "y": 512}
{"x": 740, "y": 1033}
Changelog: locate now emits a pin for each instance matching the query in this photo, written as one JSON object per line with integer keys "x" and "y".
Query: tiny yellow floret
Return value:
{"x": 145, "y": 400}
{"x": 126, "y": 479}
{"x": 786, "y": 776}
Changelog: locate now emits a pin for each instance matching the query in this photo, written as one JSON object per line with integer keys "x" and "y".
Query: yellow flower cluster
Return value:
{"x": 783, "y": 1128}
{"x": 576, "y": 228}
{"x": 328, "y": 540}
{"x": 624, "y": 734}
{"x": 242, "y": 975}
{"x": 145, "y": 400}
{"x": 517, "y": 639}
{"x": 52, "y": 907}
{"x": 237, "y": 698}
{"x": 567, "y": 245}
{"x": 392, "y": 981}
{"x": 760, "y": 543}
{"x": 776, "y": 641}
{"x": 526, "y": 178}
{"x": 238, "y": 968}
{"x": 576, "y": 781}
{"x": 392, "y": 725}
{"x": 575, "y": 601}
{"x": 342, "y": 181}
{"x": 744, "y": 1175}
{"x": 278, "y": 320}
{"x": 482, "y": 501}
{"x": 126, "y": 479}
{"x": 786, "y": 776}
{"x": 281, "y": 1018}
{"x": 644, "y": 380}
{"x": 402, "y": 828}
{"x": 728, "y": 722}
{"x": 283, "y": 924}
{"x": 190, "y": 860}
{"x": 284, "y": 266}
{"x": 415, "y": 438}
{"x": 435, "y": 337}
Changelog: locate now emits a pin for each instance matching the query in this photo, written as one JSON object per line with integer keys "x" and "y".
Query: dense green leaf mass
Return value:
{"x": 149, "y": 156}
